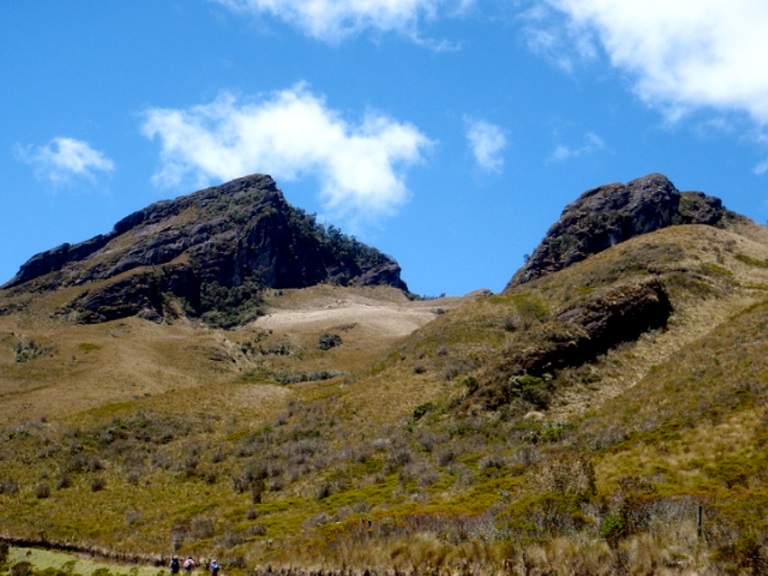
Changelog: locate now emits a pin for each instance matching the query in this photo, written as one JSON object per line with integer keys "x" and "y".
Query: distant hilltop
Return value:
{"x": 610, "y": 214}
{"x": 208, "y": 255}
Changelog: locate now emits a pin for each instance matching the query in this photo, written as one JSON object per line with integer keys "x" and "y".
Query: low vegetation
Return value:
{"x": 441, "y": 453}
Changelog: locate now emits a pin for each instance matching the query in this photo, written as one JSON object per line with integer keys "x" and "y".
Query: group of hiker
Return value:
{"x": 189, "y": 564}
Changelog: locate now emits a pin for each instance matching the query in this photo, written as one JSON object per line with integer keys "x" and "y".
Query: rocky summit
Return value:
{"x": 613, "y": 213}
{"x": 208, "y": 254}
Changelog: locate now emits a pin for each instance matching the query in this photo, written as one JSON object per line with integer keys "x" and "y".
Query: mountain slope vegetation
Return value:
{"x": 578, "y": 422}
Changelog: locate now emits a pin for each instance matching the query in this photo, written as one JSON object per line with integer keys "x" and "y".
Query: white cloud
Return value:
{"x": 289, "y": 134}
{"x": 487, "y": 141}
{"x": 683, "y": 55}
{"x": 553, "y": 36}
{"x": 592, "y": 143}
{"x": 334, "y": 20}
{"x": 62, "y": 159}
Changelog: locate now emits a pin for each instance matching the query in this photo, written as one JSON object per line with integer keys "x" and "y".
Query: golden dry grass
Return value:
{"x": 676, "y": 413}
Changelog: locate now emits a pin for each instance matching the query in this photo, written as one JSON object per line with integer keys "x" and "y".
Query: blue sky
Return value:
{"x": 449, "y": 134}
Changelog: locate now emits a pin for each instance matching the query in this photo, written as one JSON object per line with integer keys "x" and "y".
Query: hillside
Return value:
{"x": 576, "y": 423}
{"x": 206, "y": 255}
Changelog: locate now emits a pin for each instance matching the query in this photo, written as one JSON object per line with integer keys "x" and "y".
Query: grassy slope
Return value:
{"x": 177, "y": 436}
{"x": 70, "y": 564}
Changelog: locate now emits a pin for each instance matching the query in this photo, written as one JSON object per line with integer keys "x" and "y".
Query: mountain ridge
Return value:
{"x": 208, "y": 254}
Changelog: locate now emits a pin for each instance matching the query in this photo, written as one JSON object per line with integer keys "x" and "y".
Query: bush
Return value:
{"x": 22, "y": 568}
{"x": 328, "y": 341}
{"x": 8, "y": 486}
{"x": 43, "y": 490}
{"x": 612, "y": 529}
{"x": 27, "y": 349}
{"x": 202, "y": 528}
{"x": 422, "y": 409}
{"x": 251, "y": 478}
{"x": 323, "y": 491}
{"x": 65, "y": 481}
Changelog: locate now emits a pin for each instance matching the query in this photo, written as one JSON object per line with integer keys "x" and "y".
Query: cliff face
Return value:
{"x": 210, "y": 252}
{"x": 610, "y": 214}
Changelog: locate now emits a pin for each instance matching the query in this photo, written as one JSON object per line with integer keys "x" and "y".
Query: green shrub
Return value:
{"x": 22, "y": 568}
{"x": 751, "y": 261}
{"x": 612, "y": 529}
{"x": 422, "y": 409}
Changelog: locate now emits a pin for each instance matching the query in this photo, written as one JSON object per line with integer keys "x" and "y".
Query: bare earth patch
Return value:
{"x": 384, "y": 311}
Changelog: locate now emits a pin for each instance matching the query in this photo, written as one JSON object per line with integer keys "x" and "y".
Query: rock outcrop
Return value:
{"x": 572, "y": 337}
{"x": 597, "y": 326}
{"x": 207, "y": 254}
{"x": 605, "y": 216}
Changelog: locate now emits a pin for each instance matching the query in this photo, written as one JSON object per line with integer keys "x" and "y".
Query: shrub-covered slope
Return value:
{"x": 577, "y": 423}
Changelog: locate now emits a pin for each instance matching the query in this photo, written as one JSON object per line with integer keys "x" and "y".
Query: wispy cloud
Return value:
{"x": 683, "y": 56}
{"x": 335, "y": 20}
{"x": 553, "y": 36}
{"x": 761, "y": 168}
{"x": 487, "y": 142}
{"x": 64, "y": 159}
{"x": 592, "y": 143}
{"x": 290, "y": 134}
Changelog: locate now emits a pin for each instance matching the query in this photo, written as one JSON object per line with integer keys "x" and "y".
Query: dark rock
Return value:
{"x": 385, "y": 274}
{"x": 55, "y": 259}
{"x": 578, "y": 335}
{"x": 605, "y": 216}
{"x": 621, "y": 316}
{"x": 151, "y": 315}
{"x": 126, "y": 297}
{"x": 698, "y": 208}
{"x": 209, "y": 253}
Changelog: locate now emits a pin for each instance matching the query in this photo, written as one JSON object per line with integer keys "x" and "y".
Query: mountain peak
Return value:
{"x": 207, "y": 254}
{"x": 607, "y": 215}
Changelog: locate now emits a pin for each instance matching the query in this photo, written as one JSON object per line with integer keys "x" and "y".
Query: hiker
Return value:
{"x": 175, "y": 565}
{"x": 213, "y": 567}
{"x": 189, "y": 565}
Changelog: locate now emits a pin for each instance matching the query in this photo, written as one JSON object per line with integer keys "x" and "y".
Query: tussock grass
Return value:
{"x": 198, "y": 447}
